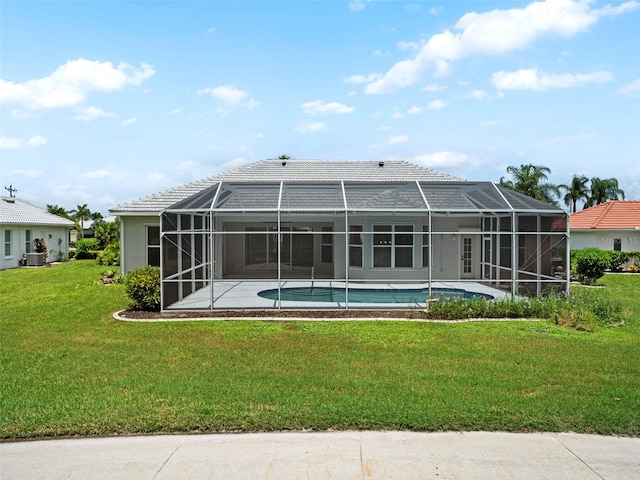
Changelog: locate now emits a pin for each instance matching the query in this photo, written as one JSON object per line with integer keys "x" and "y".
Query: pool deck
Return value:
{"x": 243, "y": 295}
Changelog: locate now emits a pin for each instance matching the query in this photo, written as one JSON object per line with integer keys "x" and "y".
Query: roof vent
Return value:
{"x": 284, "y": 163}
{"x": 10, "y": 200}
{"x": 381, "y": 164}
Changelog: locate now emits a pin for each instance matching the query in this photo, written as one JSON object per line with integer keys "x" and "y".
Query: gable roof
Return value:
{"x": 612, "y": 215}
{"x": 296, "y": 170}
{"x": 14, "y": 211}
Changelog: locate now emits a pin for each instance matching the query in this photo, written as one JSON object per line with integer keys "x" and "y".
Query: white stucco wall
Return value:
{"x": 133, "y": 241}
{"x": 603, "y": 239}
{"x": 57, "y": 239}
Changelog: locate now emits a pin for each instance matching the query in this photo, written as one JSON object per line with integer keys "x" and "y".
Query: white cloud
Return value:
{"x": 186, "y": 165}
{"x": 357, "y": 5}
{"x": 175, "y": 111}
{"x": 36, "y": 141}
{"x": 494, "y": 123}
{"x": 399, "y": 139}
{"x": 436, "y": 105}
{"x": 318, "y": 107}
{"x": 88, "y": 114}
{"x": 582, "y": 137}
{"x": 230, "y": 98}
{"x": 433, "y": 87}
{"x": 12, "y": 143}
{"x": 414, "y": 110}
{"x": 495, "y": 33}
{"x": 33, "y": 173}
{"x": 128, "y": 121}
{"x": 532, "y": 79}
{"x": 211, "y": 30}
{"x": 70, "y": 84}
{"x": 402, "y": 45}
{"x": 363, "y": 78}
{"x": 18, "y": 114}
{"x": 147, "y": 91}
{"x": 310, "y": 127}
{"x": 477, "y": 95}
{"x": 442, "y": 159}
{"x": 156, "y": 177}
{"x": 97, "y": 174}
{"x": 632, "y": 89}
{"x": 435, "y": 11}
{"x": 234, "y": 163}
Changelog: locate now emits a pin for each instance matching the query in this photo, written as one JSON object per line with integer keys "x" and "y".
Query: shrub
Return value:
{"x": 110, "y": 255}
{"x": 143, "y": 288}
{"x": 617, "y": 260}
{"x": 85, "y": 248}
{"x": 590, "y": 264}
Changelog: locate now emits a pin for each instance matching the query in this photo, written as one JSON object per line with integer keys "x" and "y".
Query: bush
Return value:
{"x": 590, "y": 264}
{"x": 107, "y": 233}
{"x": 110, "y": 255}
{"x": 617, "y": 260}
{"x": 85, "y": 248}
{"x": 143, "y": 288}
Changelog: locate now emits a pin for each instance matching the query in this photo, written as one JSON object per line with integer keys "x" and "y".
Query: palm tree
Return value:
{"x": 603, "y": 190}
{"x": 57, "y": 210}
{"x": 576, "y": 190}
{"x": 80, "y": 215}
{"x": 530, "y": 180}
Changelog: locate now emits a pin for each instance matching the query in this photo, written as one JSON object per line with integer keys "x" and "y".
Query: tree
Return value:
{"x": 530, "y": 180}
{"x": 58, "y": 210}
{"x": 603, "y": 190}
{"x": 576, "y": 190}
{"x": 80, "y": 215}
{"x": 284, "y": 157}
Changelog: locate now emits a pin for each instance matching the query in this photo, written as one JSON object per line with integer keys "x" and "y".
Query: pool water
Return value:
{"x": 368, "y": 295}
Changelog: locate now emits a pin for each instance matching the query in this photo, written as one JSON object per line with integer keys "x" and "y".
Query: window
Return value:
{"x": 425, "y": 246}
{"x": 393, "y": 246}
{"x": 617, "y": 244}
{"x": 326, "y": 245}
{"x": 27, "y": 241}
{"x": 7, "y": 243}
{"x": 153, "y": 246}
{"x": 355, "y": 246}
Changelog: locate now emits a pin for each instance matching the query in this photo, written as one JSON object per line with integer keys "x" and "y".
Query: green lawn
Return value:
{"x": 68, "y": 368}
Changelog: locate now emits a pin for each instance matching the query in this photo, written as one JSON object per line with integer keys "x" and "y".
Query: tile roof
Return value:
{"x": 14, "y": 211}
{"x": 613, "y": 215}
{"x": 296, "y": 170}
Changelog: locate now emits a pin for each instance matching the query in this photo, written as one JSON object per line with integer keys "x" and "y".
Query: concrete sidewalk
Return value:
{"x": 327, "y": 455}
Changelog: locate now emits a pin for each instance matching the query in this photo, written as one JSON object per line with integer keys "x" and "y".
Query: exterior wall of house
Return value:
{"x": 133, "y": 241}
{"x": 444, "y": 257}
{"x": 57, "y": 239}
{"x": 604, "y": 239}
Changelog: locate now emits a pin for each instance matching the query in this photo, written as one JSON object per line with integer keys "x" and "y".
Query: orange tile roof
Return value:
{"x": 613, "y": 215}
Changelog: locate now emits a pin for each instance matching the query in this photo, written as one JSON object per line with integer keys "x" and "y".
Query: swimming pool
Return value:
{"x": 368, "y": 295}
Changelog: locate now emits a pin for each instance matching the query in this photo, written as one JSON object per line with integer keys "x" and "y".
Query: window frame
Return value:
{"x": 152, "y": 247}
{"x": 7, "y": 240}
{"x": 394, "y": 246}
{"x": 353, "y": 232}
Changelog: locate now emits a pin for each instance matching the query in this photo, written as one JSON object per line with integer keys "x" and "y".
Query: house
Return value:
{"x": 614, "y": 225}
{"x": 347, "y": 223}
{"x": 21, "y": 223}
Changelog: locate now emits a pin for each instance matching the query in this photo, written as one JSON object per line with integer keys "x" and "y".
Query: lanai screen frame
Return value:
{"x": 195, "y": 219}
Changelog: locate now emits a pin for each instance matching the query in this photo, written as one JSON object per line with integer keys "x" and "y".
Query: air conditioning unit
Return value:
{"x": 35, "y": 259}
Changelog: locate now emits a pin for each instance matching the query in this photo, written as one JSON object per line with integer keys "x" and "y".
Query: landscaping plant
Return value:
{"x": 143, "y": 288}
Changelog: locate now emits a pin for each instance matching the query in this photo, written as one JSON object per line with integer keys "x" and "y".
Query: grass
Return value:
{"x": 67, "y": 368}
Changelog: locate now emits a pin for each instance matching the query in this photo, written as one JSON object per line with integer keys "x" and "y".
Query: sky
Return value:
{"x": 105, "y": 102}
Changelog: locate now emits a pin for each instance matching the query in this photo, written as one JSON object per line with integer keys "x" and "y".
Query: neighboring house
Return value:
{"x": 614, "y": 225}
{"x": 343, "y": 221}
{"x": 21, "y": 223}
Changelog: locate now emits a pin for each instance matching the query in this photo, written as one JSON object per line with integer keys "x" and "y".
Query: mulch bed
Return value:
{"x": 268, "y": 314}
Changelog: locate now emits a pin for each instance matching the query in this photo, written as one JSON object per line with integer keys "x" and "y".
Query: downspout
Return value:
{"x": 346, "y": 241}
{"x": 279, "y": 237}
